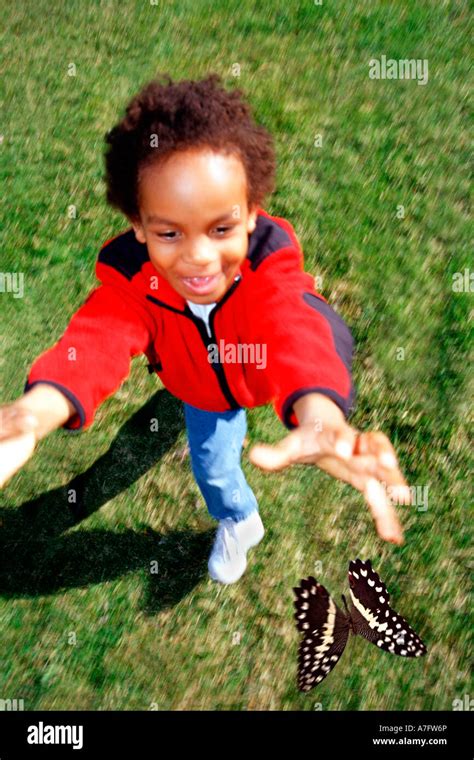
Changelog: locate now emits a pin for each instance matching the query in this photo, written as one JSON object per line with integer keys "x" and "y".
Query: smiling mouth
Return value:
{"x": 202, "y": 285}
{"x": 201, "y": 280}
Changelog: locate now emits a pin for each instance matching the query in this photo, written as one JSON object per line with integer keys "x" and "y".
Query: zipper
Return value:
{"x": 209, "y": 339}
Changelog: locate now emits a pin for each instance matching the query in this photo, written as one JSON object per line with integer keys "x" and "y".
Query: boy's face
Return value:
{"x": 195, "y": 221}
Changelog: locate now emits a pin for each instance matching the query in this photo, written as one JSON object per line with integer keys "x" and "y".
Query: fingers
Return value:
{"x": 344, "y": 441}
{"x": 14, "y": 452}
{"x": 277, "y": 457}
{"x": 17, "y": 439}
{"x": 304, "y": 446}
{"x": 383, "y": 512}
{"x": 369, "y": 466}
{"x": 15, "y": 421}
{"x": 367, "y": 461}
{"x": 368, "y": 455}
{"x": 376, "y": 444}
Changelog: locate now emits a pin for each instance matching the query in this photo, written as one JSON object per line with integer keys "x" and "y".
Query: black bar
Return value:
{"x": 149, "y": 734}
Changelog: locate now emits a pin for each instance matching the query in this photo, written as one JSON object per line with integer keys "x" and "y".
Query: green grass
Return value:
{"x": 85, "y": 624}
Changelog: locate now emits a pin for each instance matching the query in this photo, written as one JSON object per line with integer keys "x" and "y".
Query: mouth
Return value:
{"x": 202, "y": 285}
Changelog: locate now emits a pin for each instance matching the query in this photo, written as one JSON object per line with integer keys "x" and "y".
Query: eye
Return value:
{"x": 171, "y": 235}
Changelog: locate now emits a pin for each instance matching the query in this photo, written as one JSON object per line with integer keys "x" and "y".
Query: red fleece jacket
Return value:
{"x": 276, "y": 337}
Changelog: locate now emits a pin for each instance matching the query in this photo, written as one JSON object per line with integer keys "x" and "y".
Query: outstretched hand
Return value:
{"x": 17, "y": 440}
{"x": 364, "y": 460}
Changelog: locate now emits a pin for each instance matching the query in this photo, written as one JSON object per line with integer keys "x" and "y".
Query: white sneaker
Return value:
{"x": 228, "y": 558}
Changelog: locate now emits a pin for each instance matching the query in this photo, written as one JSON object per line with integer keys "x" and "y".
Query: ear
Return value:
{"x": 252, "y": 219}
{"x": 138, "y": 230}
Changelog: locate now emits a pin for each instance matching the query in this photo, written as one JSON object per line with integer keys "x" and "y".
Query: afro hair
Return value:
{"x": 165, "y": 117}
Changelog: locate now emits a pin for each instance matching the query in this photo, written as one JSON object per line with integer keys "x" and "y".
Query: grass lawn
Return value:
{"x": 85, "y": 622}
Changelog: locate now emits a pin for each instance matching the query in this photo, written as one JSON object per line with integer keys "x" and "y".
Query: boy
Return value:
{"x": 212, "y": 289}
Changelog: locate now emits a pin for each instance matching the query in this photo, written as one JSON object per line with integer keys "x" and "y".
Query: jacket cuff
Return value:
{"x": 77, "y": 421}
{"x": 284, "y": 409}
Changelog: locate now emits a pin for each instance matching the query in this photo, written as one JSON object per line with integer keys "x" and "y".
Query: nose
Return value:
{"x": 200, "y": 253}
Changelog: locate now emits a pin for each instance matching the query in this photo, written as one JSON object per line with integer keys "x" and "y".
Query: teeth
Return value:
{"x": 198, "y": 280}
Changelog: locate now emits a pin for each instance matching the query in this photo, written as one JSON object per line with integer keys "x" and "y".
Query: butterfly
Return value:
{"x": 326, "y": 628}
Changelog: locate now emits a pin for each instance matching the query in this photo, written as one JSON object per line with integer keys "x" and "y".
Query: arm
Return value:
{"x": 314, "y": 407}
{"x": 367, "y": 461}
{"x": 25, "y": 421}
{"x": 48, "y": 406}
{"x": 68, "y": 381}
{"x": 310, "y": 371}
{"x": 309, "y": 347}
{"x": 92, "y": 358}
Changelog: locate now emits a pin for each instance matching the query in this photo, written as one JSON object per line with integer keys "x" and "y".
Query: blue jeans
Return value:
{"x": 215, "y": 443}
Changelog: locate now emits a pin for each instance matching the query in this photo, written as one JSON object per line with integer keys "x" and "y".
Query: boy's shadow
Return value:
{"x": 36, "y": 558}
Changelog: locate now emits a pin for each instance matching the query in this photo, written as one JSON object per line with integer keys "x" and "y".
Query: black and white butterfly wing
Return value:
{"x": 374, "y": 619}
{"x": 325, "y": 630}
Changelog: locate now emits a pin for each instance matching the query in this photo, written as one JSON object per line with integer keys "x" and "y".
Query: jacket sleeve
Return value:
{"x": 92, "y": 358}
{"x": 309, "y": 346}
